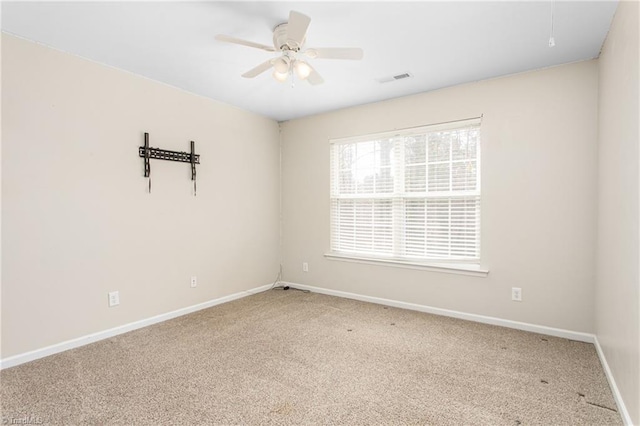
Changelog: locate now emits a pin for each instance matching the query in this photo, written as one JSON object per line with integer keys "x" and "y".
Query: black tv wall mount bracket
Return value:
{"x": 149, "y": 153}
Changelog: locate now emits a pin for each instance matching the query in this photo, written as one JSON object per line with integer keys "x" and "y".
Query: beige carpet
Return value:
{"x": 286, "y": 357}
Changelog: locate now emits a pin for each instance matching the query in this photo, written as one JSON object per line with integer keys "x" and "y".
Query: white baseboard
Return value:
{"x": 94, "y": 337}
{"x": 549, "y": 331}
{"x": 612, "y": 383}
{"x": 14, "y": 360}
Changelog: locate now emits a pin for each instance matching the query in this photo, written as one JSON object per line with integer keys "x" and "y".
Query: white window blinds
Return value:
{"x": 412, "y": 194}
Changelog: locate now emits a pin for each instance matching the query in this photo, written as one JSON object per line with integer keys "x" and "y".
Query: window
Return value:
{"x": 410, "y": 195}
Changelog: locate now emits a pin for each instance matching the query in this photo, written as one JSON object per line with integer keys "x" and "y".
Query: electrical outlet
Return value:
{"x": 516, "y": 294}
{"x": 194, "y": 281}
{"x": 114, "y": 298}
{"x": 305, "y": 267}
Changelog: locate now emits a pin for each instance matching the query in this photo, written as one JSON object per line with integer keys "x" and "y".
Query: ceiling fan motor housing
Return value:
{"x": 280, "y": 41}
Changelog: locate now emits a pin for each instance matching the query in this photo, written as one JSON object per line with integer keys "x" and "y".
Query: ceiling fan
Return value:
{"x": 289, "y": 39}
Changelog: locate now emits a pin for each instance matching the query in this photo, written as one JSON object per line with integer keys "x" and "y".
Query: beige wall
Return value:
{"x": 538, "y": 197}
{"x": 77, "y": 221}
{"x": 618, "y": 285}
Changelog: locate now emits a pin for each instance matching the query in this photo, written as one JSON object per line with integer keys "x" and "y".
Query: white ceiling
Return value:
{"x": 440, "y": 43}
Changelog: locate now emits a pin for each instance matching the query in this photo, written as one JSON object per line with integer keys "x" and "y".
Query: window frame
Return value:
{"x": 467, "y": 266}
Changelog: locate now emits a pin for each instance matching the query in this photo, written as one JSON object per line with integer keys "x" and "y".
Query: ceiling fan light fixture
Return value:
{"x": 281, "y": 65}
{"x": 280, "y": 76}
{"x": 302, "y": 69}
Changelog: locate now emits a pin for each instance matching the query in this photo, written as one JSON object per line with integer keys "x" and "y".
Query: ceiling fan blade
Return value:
{"x": 314, "y": 78}
{"x": 259, "y": 69}
{"x": 297, "y": 28}
{"x": 229, "y": 39}
{"x": 354, "y": 53}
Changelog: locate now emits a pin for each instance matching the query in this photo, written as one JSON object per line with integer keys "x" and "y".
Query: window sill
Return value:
{"x": 448, "y": 268}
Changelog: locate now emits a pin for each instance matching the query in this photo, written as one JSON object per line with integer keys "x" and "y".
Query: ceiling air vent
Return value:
{"x": 395, "y": 77}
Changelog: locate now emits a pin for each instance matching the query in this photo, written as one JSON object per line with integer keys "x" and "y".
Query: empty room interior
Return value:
{"x": 387, "y": 213}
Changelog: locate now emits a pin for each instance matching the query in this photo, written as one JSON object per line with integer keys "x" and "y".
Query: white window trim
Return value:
{"x": 408, "y": 131}
{"x": 470, "y": 269}
{"x": 462, "y": 266}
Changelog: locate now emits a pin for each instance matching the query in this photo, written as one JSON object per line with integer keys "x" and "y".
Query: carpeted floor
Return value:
{"x": 286, "y": 357}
